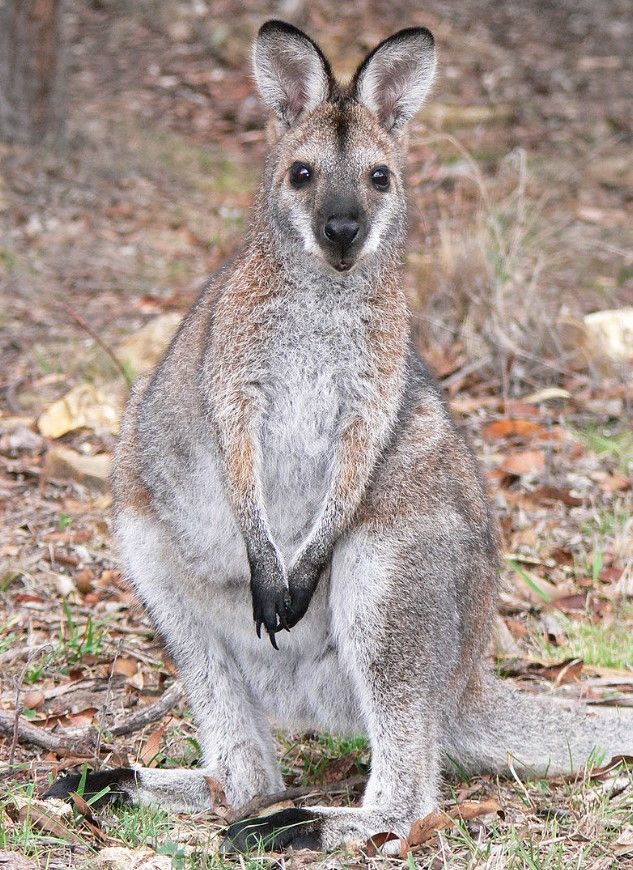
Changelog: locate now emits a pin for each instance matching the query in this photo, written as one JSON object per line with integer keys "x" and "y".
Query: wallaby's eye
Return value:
{"x": 300, "y": 174}
{"x": 380, "y": 178}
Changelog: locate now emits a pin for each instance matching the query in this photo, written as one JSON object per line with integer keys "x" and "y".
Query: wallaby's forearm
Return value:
{"x": 238, "y": 444}
{"x": 355, "y": 457}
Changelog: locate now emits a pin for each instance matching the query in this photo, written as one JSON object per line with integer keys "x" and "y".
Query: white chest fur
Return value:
{"x": 315, "y": 358}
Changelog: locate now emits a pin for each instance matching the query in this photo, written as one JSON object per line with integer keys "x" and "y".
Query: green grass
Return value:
{"x": 317, "y": 754}
{"x": 607, "y": 522}
{"x": 604, "y": 645}
{"x": 606, "y": 441}
{"x": 73, "y": 644}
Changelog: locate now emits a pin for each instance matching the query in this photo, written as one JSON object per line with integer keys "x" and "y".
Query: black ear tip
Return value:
{"x": 275, "y": 26}
{"x": 420, "y": 34}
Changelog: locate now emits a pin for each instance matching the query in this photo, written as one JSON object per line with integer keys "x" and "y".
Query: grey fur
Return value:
{"x": 291, "y": 456}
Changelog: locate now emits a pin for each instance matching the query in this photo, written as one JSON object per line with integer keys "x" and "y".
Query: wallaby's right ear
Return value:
{"x": 291, "y": 72}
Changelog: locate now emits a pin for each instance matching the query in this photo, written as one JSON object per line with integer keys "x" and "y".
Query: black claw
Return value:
{"x": 258, "y": 628}
{"x": 271, "y": 635}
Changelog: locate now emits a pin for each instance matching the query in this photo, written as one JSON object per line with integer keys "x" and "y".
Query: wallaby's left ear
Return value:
{"x": 292, "y": 73}
{"x": 395, "y": 77}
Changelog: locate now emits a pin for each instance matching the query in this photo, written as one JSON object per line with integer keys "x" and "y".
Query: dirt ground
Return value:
{"x": 521, "y": 224}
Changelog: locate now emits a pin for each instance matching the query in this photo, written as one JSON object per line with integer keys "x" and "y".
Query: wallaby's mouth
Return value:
{"x": 343, "y": 266}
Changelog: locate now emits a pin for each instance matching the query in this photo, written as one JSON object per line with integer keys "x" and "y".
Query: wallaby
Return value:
{"x": 291, "y": 459}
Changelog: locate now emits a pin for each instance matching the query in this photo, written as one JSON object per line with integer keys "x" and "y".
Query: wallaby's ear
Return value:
{"x": 395, "y": 77}
{"x": 291, "y": 72}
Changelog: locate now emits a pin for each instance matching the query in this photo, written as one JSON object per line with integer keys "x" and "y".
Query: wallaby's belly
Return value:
{"x": 297, "y": 442}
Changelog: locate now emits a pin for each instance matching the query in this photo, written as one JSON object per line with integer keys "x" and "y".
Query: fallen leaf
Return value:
{"x": 125, "y": 666}
{"x": 509, "y": 428}
{"x": 218, "y": 798}
{"x": 151, "y": 747}
{"x": 615, "y": 482}
{"x": 570, "y": 603}
{"x": 33, "y": 699}
{"x": 374, "y": 844}
{"x": 624, "y": 844}
{"x": 548, "y": 494}
{"x": 546, "y": 394}
{"x": 40, "y": 816}
{"x": 474, "y": 809}
{"x": 524, "y": 462}
{"x": 425, "y": 828}
{"x": 337, "y": 769}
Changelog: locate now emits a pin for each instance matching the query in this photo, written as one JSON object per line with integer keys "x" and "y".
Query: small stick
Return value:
{"x": 151, "y": 713}
{"x": 260, "y": 802}
{"x": 19, "y": 652}
{"x": 82, "y": 742}
{"x": 87, "y": 328}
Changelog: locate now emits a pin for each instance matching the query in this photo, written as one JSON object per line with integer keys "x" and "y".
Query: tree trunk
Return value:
{"x": 32, "y": 71}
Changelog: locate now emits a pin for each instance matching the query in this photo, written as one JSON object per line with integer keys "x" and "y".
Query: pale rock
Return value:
{"x": 93, "y": 472}
{"x": 120, "y": 858}
{"x": 84, "y": 407}
{"x": 142, "y": 350}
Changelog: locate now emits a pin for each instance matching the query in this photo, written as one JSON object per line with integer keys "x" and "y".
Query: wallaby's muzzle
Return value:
{"x": 341, "y": 231}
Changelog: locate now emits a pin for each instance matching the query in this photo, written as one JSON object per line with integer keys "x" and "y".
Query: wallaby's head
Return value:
{"x": 334, "y": 179}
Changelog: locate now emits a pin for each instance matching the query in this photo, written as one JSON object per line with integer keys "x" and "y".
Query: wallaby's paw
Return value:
{"x": 287, "y": 829}
{"x": 269, "y": 610}
{"x": 119, "y": 781}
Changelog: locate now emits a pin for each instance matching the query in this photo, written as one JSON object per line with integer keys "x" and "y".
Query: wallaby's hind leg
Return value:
{"x": 397, "y": 687}
{"x": 237, "y": 746}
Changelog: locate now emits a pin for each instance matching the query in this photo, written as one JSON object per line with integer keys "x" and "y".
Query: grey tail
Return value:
{"x": 499, "y": 729}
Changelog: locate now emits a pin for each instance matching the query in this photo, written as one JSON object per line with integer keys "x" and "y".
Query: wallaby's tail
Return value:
{"x": 499, "y": 727}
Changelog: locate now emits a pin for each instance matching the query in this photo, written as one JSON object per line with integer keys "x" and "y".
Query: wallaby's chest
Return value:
{"x": 310, "y": 383}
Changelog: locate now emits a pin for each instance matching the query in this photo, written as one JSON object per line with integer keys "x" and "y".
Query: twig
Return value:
{"x": 87, "y": 328}
{"x": 12, "y": 655}
{"x": 106, "y": 704}
{"x": 151, "y": 713}
{"x": 81, "y": 744}
{"x": 260, "y": 802}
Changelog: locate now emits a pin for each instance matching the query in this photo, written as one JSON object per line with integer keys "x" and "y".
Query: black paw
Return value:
{"x": 270, "y": 597}
{"x": 286, "y": 829}
{"x": 120, "y": 781}
{"x": 302, "y": 582}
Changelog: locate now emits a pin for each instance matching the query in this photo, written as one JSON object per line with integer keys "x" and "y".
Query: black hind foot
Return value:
{"x": 286, "y": 829}
{"x": 120, "y": 782}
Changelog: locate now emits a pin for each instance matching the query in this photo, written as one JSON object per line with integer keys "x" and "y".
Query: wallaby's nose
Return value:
{"x": 341, "y": 229}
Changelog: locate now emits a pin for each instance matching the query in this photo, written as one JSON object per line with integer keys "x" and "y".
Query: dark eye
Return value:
{"x": 300, "y": 174}
{"x": 380, "y": 178}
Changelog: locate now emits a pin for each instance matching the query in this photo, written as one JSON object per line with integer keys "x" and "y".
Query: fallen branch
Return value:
{"x": 260, "y": 802}
{"x": 20, "y": 652}
{"x": 151, "y": 713}
{"x": 83, "y": 743}
{"x": 102, "y": 344}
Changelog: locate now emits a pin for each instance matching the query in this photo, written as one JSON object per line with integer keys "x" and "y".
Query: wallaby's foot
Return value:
{"x": 321, "y": 829}
{"x": 287, "y": 829}
{"x": 173, "y": 789}
{"x": 118, "y": 784}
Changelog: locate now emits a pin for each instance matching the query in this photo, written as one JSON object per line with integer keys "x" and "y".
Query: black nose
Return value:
{"x": 342, "y": 230}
